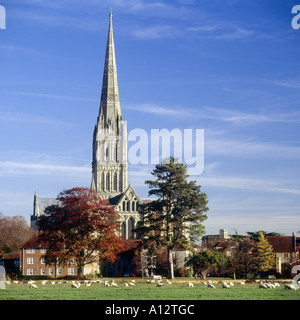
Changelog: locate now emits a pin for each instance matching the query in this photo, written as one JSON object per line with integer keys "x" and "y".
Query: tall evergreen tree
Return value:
{"x": 265, "y": 257}
{"x": 175, "y": 218}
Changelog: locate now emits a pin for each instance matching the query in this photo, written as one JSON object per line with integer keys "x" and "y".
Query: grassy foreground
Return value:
{"x": 142, "y": 290}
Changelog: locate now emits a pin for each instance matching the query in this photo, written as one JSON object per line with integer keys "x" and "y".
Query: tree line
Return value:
{"x": 85, "y": 228}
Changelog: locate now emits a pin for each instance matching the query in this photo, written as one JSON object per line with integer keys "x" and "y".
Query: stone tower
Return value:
{"x": 109, "y": 166}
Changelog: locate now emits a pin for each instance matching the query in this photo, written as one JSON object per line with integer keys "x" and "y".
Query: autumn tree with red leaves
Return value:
{"x": 82, "y": 227}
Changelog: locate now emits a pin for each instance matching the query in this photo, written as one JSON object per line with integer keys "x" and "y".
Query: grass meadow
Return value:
{"x": 177, "y": 290}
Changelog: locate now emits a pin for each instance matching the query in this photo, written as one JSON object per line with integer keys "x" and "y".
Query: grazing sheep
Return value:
{"x": 263, "y": 286}
{"x": 131, "y": 284}
{"x": 160, "y": 284}
{"x": 225, "y": 285}
{"x": 210, "y": 285}
{"x": 113, "y": 284}
{"x": 190, "y": 284}
{"x": 242, "y": 283}
{"x": 74, "y": 285}
{"x": 289, "y": 286}
{"x": 106, "y": 284}
{"x": 126, "y": 284}
{"x": 33, "y": 286}
{"x": 53, "y": 283}
{"x": 168, "y": 282}
{"x": 276, "y": 284}
{"x": 231, "y": 284}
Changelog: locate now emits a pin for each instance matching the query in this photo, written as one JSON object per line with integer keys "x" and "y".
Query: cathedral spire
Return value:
{"x": 110, "y": 110}
{"x": 109, "y": 166}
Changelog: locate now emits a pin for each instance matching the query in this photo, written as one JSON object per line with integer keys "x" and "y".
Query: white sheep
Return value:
{"x": 113, "y": 284}
{"x": 168, "y": 282}
{"x": 131, "y": 284}
{"x": 160, "y": 284}
{"x": 289, "y": 286}
{"x": 263, "y": 286}
{"x": 74, "y": 285}
{"x": 126, "y": 284}
{"x": 225, "y": 285}
{"x": 33, "y": 286}
{"x": 190, "y": 284}
{"x": 210, "y": 285}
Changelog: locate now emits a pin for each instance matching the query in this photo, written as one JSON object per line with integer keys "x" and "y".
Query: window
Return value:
{"x": 30, "y": 272}
{"x": 30, "y": 260}
{"x": 51, "y": 271}
{"x": 71, "y": 271}
{"x": 30, "y": 250}
{"x": 115, "y": 182}
{"x": 130, "y": 227}
{"x": 43, "y": 272}
{"x": 58, "y": 271}
{"x": 133, "y": 206}
{"x": 43, "y": 250}
{"x": 42, "y": 260}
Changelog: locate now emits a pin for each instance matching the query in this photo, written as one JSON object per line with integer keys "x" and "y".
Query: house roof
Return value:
{"x": 283, "y": 243}
{"x": 10, "y": 256}
{"x": 34, "y": 242}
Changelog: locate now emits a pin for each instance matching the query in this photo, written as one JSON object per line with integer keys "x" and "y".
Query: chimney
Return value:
{"x": 294, "y": 241}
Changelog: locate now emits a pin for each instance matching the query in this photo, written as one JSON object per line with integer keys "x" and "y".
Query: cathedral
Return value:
{"x": 109, "y": 162}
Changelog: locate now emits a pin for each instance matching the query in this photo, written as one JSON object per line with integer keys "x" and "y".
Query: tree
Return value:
{"x": 204, "y": 261}
{"x": 264, "y": 257}
{"x": 255, "y": 235}
{"x": 174, "y": 218}
{"x": 241, "y": 260}
{"x": 14, "y": 232}
{"x": 81, "y": 227}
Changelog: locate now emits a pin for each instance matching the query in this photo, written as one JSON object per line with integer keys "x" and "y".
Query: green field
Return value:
{"x": 142, "y": 290}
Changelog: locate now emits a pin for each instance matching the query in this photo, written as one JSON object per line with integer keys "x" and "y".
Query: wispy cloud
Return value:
{"x": 248, "y": 184}
{"x": 220, "y": 114}
{"x": 29, "y": 118}
{"x": 21, "y": 168}
{"x": 49, "y": 96}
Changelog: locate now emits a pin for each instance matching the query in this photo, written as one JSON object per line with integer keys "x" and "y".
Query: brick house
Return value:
{"x": 286, "y": 249}
{"x": 32, "y": 262}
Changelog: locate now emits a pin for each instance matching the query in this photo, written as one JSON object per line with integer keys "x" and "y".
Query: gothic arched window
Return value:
{"x": 107, "y": 182}
{"x": 115, "y": 182}
{"x": 130, "y": 228}
{"x": 124, "y": 229}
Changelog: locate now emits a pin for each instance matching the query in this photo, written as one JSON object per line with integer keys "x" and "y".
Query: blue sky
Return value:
{"x": 229, "y": 67}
